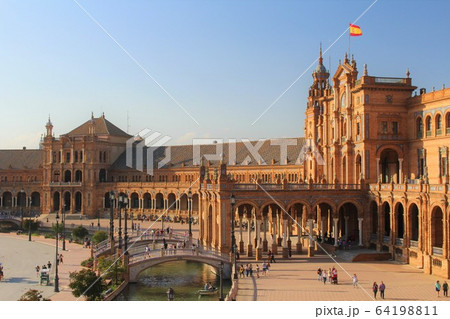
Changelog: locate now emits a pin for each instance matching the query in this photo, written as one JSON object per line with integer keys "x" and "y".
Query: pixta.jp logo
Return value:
{"x": 142, "y": 147}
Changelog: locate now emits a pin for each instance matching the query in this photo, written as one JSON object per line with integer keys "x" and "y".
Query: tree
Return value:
{"x": 60, "y": 228}
{"x": 99, "y": 236}
{"x": 80, "y": 232}
{"x": 34, "y": 224}
{"x": 111, "y": 268}
{"x": 33, "y": 295}
{"x": 86, "y": 282}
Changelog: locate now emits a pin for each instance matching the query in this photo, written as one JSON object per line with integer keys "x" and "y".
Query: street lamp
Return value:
{"x": 120, "y": 221}
{"x": 123, "y": 203}
{"x": 190, "y": 214}
{"x": 22, "y": 192}
{"x": 221, "y": 281}
{"x": 233, "y": 238}
{"x": 29, "y": 220}
{"x": 63, "y": 222}
{"x": 111, "y": 217}
{"x": 56, "y": 263}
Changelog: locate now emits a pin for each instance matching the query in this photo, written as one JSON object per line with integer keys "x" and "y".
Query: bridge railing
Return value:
{"x": 158, "y": 253}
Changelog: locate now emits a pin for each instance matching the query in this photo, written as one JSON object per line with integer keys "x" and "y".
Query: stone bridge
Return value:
{"x": 141, "y": 261}
{"x": 11, "y": 219}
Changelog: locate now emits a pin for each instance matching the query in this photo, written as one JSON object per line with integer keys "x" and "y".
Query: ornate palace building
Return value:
{"x": 373, "y": 168}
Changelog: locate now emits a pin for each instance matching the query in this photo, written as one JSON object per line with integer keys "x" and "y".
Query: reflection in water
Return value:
{"x": 185, "y": 277}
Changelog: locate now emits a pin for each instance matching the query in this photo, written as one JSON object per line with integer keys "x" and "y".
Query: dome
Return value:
{"x": 320, "y": 69}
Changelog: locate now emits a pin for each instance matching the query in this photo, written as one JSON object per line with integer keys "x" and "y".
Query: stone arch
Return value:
{"x": 389, "y": 165}
{"x": 56, "y": 201}
{"x": 348, "y": 220}
{"x": 386, "y": 211}
{"x": 78, "y": 201}
{"x": 438, "y": 123}
{"x": 147, "y": 201}
{"x": 399, "y": 216}
{"x": 414, "y": 222}
{"x": 67, "y": 176}
{"x": 7, "y": 199}
{"x": 67, "y": 201}
{"x": 358, "y": 168}
{"x": 35, "y": 199}
{"x": 78, "y": 176}
{"x": 134, "y": 200}
{"x": 107, "y": 200}
{"x": 373, "y": 208}
{"x": 195, "y": 202}
{"x": 184, "y": 205}
{"x": 428, "y": 123}
{"x": 159, "y": 199}
{"x": 171, "y": 201}
{"x": 437, "y": 227}
{"x": 419, "y": 127}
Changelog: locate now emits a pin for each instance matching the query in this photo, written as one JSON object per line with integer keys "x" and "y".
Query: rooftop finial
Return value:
{"x": 345, "y": 58}
{"x": 92, "y": 115}
{"x": 407, "y": 73}
{"x": 320, "y": 54}
{"x": 365, "y": 70}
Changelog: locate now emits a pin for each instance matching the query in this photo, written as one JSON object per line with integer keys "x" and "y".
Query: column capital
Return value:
{"x": 360, "y": 219}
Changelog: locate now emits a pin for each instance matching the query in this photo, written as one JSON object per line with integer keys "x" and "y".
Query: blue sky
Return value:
{"x": 224, "y": 61}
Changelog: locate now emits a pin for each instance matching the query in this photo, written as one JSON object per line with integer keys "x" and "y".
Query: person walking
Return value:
{"x": 257, "y": 271}
{"x": 60, "y": 258}
{"x": 38, "y": 269}
{"x": 445, "y": 288}
{"x": 324, "y": 276}
{"x": 329, "y": 275}
{"x": 241, "y": 271}
{"x": 438, "y": 287}
{"x": 355, "y": 281}
{"x": 382, "y": 288}
{"x": 247, "y": 270}
{"x": 375, "y": 289}
{"x": 319, "y": 274}
{"x": 272, "y": 257}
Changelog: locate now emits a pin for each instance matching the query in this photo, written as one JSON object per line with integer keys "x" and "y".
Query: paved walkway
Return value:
{"x": 20, "y": 257}
{"x": 296, "y": 279}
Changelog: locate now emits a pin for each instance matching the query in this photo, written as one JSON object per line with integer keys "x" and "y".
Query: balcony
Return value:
{"x": 428, "y": 133}
{"x": 437, "y": 251}
{"x": 439, "y": 132}
{"x": 386, "y": 239}
{"x": 373, "y": 237}
{"x": 390, "y": 80}
{"x": 399, "y": 242}
{"x": 448, "y": 130}
{"x": 71, "y": 184}
{"x": 413, "y": 244}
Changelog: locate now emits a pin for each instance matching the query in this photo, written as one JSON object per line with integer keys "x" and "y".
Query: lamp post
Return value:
{"x": 221, "y": 281}
{"x": 29, "y": 221}
{"x": 57, "y": 259}
{"x": 233, "y": 237}
{"x": 21, "y": 193}
{"x": 111, "y": 217}
{"x": 123, "y": 203}
{"x": 190, "y": 214}
{"x": 120, "y": 222}
{"x": 63, "y": 222}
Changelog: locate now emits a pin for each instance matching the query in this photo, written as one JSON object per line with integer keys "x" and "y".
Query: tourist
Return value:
{"x": 319, "y": 274}
{"x": 247, "y": 270}
{"x": 445, "y": 288}
{"x": 329, "y": 275}
{"x": 49, "y": 265}
{"x": 241, "y": 271}
{"x": 324, "y": 276}
{"x": 382, "y": 287}
{"x": 375, "y": 290}
{"x": 60, "y": 258}
{"x": 264, "y": 268}
{"x": 272, "y": 257}
{"x": 257, "y": 271}
{"x": 267, "y": 267}
{"x": 355, "y": 281}
{"x": 250, "y": 269}
{"x": 438, "y": 287}
{"x": 38, "y": 269}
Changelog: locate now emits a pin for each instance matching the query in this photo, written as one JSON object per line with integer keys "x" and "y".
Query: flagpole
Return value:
{"x": 349, "y": 40}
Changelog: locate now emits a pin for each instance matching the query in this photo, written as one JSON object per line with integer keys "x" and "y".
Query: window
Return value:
{"x": 438, "y": 124}
{"x": 419, "y": 127}
{"x": 384, "y": 127}
{"x": 448, "y": 122}
{"x": 343, "y": 97}
{"x": 366, "y": 98}
{"x": 428, "y": 125}
{"x": 358, "y": 129}
{"x": 68, "y": 157}
{"x": 395, "y": 128}
{"x": 389, "y": 99}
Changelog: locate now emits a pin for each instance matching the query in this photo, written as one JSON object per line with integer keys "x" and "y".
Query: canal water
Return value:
{"x": 185, "y": 277}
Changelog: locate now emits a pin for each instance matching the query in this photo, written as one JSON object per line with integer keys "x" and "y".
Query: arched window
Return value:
{"x": 419, "y": 127}
{"x": 428, "y": 125}
{"x": 447, "y": 120}
{"x": 438, "y": 124}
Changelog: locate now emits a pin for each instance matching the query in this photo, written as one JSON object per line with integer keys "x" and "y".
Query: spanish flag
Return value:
{"x": 355, "y": 31}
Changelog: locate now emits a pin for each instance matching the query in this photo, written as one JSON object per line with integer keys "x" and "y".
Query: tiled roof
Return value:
{"x": 20, "y": 159}
{"x": 102, "y": 127}
{"x": 183, "y": 154}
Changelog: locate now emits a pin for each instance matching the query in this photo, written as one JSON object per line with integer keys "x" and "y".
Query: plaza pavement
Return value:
{"x": 296, "y": 279}
{"x": 20, "y": 257}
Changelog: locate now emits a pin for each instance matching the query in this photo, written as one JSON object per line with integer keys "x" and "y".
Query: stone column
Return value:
{"x": 241, "y": 241}
{"x": 258, "y": 247}
{"x": 322, "y": 229}
{"x": 400, "y": 171}
{"x": 284, "y": 239}
{"x": 299, "y": 234}
{"x": 249, "y": 243}
{"x": 346, "y": 227}
{"x": 265, "y": 233}
{"x": 279, "y": 230}
{"x": 289, "y": 230}
{"x": 360, "y": 230}
{"x": 335, "y": 231}
{"x": 311, "y": 238}
{"x": 274, "y": 235}
{"x": 378, "y": 170}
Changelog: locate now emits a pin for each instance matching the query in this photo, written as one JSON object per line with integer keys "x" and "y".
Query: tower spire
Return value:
{"x": 320, "y": 55}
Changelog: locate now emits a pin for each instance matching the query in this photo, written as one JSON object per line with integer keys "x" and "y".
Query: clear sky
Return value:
{"x": 223, "y": 61}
